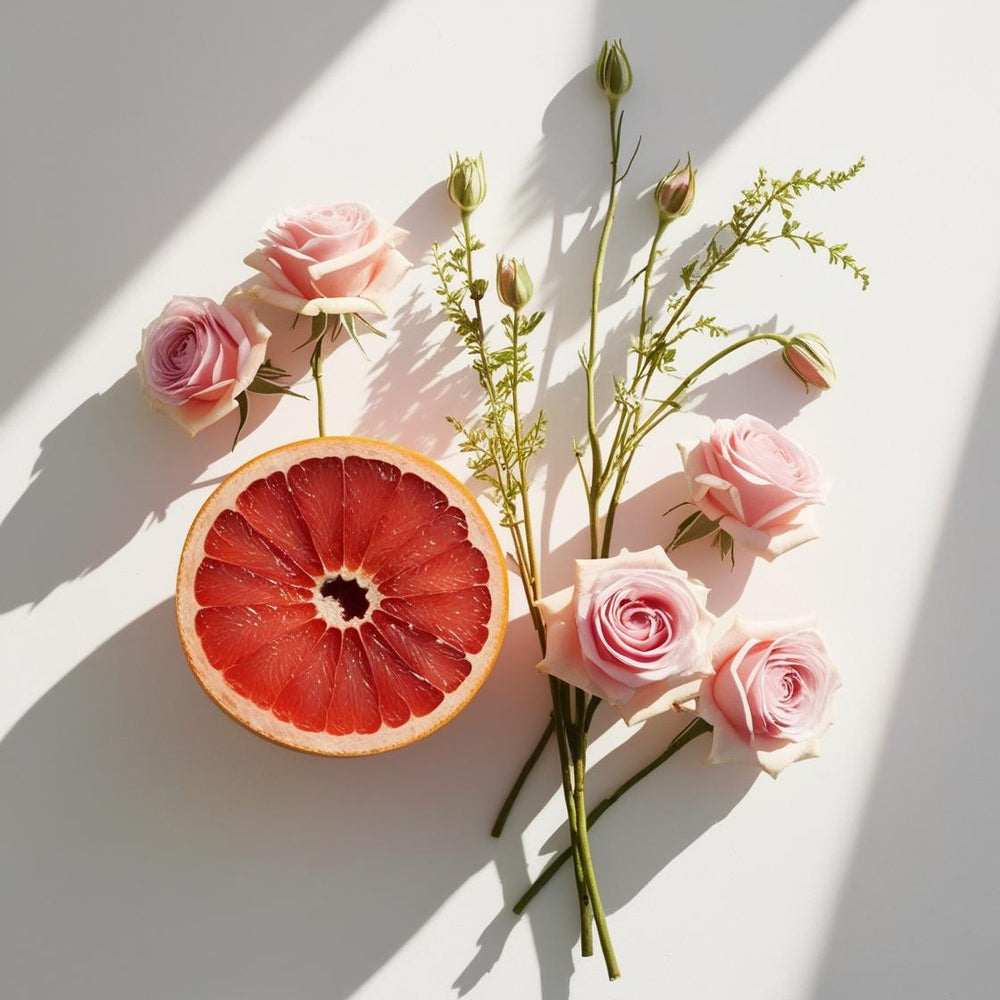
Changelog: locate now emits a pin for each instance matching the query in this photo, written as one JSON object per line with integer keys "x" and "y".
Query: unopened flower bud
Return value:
{"x": 614, "y": 72}
{"x": 809, "y": 358}
{"x": 467, "y": 182}
{"x": 675, "y": 193}
{"x": 514, "y": 285}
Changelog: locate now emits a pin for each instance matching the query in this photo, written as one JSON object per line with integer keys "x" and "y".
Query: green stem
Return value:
{"x": 590, "y": 877}
{"x": 670, "y": 405}
{"x": 681, "y": 740}
{"x": 316, "y": 364}
{"x": 532, "y": 760}
{"x": 596, "y": 462}
{"x": 559, "y": 692}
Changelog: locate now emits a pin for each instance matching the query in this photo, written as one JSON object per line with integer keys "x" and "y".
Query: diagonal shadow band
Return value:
{"x": 136, "y": 117}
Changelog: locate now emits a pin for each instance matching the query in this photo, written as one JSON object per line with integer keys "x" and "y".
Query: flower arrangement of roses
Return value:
{"x": 632, "y": 630}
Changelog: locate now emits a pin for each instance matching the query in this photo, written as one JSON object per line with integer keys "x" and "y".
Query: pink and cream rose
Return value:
{"x": 632, "y": 630}
{"x": 329, "y": 259}
{"x": 758, "y": 485}
{"x": 197, "y": 356}
{"x": 771, "y": 696}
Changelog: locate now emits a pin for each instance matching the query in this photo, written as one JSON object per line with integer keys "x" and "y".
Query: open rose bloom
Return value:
{"x": 329, "y": 259}
{"x": 756, "y": 483}
{"x": 632, "y": 630}
{"x": 197, "y": 356}
{"x": 771, "y": 696}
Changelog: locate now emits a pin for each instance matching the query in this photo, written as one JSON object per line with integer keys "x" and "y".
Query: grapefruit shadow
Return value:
{"x": 142, "y": 824}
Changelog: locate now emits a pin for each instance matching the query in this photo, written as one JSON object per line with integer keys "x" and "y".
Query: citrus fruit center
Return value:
{"x": 341, "y": 596}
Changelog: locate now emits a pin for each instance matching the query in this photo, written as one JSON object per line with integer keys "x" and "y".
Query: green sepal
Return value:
{"x": 266, "y": 388}
{"x": 374, "y": 329}
{"x": 348, "y": 321}
{"x": 726, "y": 547}
{"x": 320, "y": 324}
{"x": 244, "y": 404}
{"x": 693, "y": 527}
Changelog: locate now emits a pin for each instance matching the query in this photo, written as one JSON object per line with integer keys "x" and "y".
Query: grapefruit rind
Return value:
{"x": 262, "y": 721}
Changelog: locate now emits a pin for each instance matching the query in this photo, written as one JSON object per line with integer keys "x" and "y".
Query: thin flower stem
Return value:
{"x": 670, "y": 405}
{"x": 590, "y": 367}
{"x": 316, "y": 364}
{"x": 587, "y": 861}
{"x": 681, "y": 740}
{"x": 532, "y": 760}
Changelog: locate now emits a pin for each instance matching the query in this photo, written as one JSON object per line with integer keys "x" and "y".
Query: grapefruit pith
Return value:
{"x": 341, "y": 596}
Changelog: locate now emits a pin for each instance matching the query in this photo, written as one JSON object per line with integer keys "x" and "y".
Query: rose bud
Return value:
{"x": 329, "y": 259}
{"x": 614, "y": 72}
{"x": 809, "y": 358}
{"x": 675, "y": 193}
{"x": 633, "y": 630}
{"x": 771, "y": 696}
{"x": 757, "y": 484}
{"x": 467, "y": 182}
{"x": 514, "y": 285}
{"x": 197, "y": 356}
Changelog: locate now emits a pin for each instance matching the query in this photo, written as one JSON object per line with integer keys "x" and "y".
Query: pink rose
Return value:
{"x": 756, "y": 483}
{"x": 771, "y": 697}
{"x": 633, "y": 630}
{"x": 197, "y": 357}
{"x": 329, "y": 259}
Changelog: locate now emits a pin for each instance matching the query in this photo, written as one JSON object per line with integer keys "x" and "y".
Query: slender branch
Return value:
{"x": 532, "y": 760}
{"x": 681, "y": 740}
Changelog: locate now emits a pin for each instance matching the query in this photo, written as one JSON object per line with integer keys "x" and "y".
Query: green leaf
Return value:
{"x": 266, "y": 388}
{"x": 693, "y": 527}
{"x": 244, "y": 405}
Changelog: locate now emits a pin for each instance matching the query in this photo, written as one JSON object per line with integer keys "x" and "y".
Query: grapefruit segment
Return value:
{"x": 261, "y": 675}
{"x": 458, "y": 568}
{"x": 318, "y": 487}
{"x": 448, "y": 528}
{"x": 229, "y": 633}
{"x": 442, "y": 665}
{"x": 413, "y": 506}
{"x": 341, "y": 596}
{"x": 219, "y": 584}
{"x": 368, "y": 487}
{"x": 304, "y": 699}
{"x": 401, "y": 693}
{"x": 354, "y": 705}
{"x": 269, "y": 507}
{"x": 232, "y": 540}
{"x": 459, "y": 619}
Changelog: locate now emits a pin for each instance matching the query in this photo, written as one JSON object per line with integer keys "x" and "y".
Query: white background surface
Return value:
{"x": 151, "y": 848}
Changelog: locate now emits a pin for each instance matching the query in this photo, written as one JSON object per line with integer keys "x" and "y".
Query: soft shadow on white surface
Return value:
{"x": 919, "y": 908}
{"x": 119, "y": 118}
{"x": 150, "y": 840}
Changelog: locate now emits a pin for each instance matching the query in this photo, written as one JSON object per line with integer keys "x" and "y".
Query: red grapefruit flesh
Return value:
{"x": 341, "y": 596}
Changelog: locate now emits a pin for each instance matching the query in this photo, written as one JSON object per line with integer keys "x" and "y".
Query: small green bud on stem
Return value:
{"x": 514, "y": 285}
{"x": 614, "y": 72}
{"x": 809, "y": 357}
{"x": 467, "y": 182}
{"x": 675, "y": 193}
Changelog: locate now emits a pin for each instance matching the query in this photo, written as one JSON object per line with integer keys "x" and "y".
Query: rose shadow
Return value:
{"x": 111, "y": 468}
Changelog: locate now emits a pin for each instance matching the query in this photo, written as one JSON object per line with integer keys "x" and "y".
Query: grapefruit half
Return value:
{"x": 341, "y": 596}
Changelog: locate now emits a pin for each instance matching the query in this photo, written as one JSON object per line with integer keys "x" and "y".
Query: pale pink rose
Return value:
{"x": 771, "y": 697}
{"x": 632, "y": 630}
{"x": 329, "y": 259}
{"x": 197, "y": 356}
{"x": 756, "y": 483}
